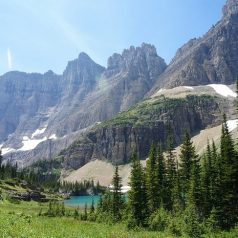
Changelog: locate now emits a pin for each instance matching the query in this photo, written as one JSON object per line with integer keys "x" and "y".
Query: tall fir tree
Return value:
{"x": 152, "y": 181}
{"x": 170, "y": 171}
{"x": 161, "y": 176}
{"x": 117, "y": 197}
{"x": 195, "y": 192}
{"x": 207, "y": 181}
{"x": 227, "y": 207}
{"x": 137, "y": 194}
{"x": 187, "y": 157}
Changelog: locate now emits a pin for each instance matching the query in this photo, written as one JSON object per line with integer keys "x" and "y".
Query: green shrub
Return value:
{"x": 159, "y": 221}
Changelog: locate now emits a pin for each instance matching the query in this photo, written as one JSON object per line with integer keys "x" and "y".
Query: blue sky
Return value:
{"x": 46, "y": 34}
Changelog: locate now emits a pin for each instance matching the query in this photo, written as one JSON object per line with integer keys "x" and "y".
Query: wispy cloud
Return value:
{"x": 9, "y": 59}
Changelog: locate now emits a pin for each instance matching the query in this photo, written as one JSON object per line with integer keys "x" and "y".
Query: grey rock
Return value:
{"x": 212, "y": 58}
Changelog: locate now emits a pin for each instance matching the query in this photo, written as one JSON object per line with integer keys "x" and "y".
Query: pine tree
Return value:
{"x": 179, "y": 202}
{"x": 227, "y": 207}
{"x": 195, "y": 191}
{"x": 117, "y": 199}
{"x": 161, "y": 176}
{"x": 152, "y": 181}
{"x": 92, "y": 208}
{"x": 170, "y": 172}
{"x": 187, "y": 157}
{"x": 207, "y": 181}
{"x": 137, "y": 194}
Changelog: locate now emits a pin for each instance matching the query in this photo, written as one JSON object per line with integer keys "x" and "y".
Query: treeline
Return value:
{"x": 30, "y": 174}
{"x": 86, "y": 187}
{"x": 180, "y": 194}
{"x": 39, "y": 175}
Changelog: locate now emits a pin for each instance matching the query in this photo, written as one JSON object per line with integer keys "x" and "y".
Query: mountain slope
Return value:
{"x": 102, "y": 171}
{"x": 212, "y": 58}
{"x": 147, "y": 122}
{"x": 85, "y": 94}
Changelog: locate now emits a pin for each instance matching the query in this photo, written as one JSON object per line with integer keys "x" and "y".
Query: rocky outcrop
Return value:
{"x": 230, "y": 8}
{"x": 28, "y": 196}
{"x": 212, "y": 58}
{"x": 67, "y": 104}
{"x": 126, "y": 80}
{"x": 25, "y": 101}
{"x": 143, "y": 125}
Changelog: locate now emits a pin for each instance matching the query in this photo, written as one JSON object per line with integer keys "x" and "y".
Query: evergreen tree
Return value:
{"x": 161, "y": 176}
{"x": 137, "y": 194}
{"x": 152, "y": 181}
{"x": 187, "y": 157}
{"x": 227, "y": 207}
{"x": 92, "y": 208}
{"x": 179, "y": 202}
{"x": 207, "y": 181}
{"x": 195, "y": 192}
{"x": 117, "y": 198}
{"x": 170, "y": 172}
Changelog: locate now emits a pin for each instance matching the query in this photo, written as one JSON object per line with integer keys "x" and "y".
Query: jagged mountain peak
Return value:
{"x": 211, "y": 58}
{"x": 137, "y": 59}
{"x": 230, "y": 8}
{"x": 83, "y": 61}
{"x": 84, "y": 57}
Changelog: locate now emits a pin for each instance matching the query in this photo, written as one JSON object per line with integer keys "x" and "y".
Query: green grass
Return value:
{"x": 22, "y": 220}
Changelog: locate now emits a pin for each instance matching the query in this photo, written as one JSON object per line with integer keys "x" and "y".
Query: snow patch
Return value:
{"x": 30, "y": 144}
{"x": 188, "y": 87}
{"x": 38, "y": 132}
{"x": 53, "y": 137}
{"x": 223, "y": 90}
{"x": 232, "y": 124}
{"x": 124, "y": 189}
{"x": 161, "y": 90}
{"x": 7, "y": 150}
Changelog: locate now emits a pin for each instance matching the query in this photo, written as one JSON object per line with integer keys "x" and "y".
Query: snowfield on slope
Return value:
{"x": 29, "y": 144}
{"x": 232, "y": 125}
{"x": 223, "y": 90}
{"x": 38, "y": 132}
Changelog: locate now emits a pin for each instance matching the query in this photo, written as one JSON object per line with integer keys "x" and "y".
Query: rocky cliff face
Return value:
{"x": 212, "y": 58}
{"x": 41, "y": 107}
{"x": 26, "y": 100}
{"x": 53, "y": 108}
{"x": 144, "y": 124}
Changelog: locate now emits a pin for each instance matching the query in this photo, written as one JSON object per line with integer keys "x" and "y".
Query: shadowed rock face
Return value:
{"x": 25, "y": 101}
{"x": 230, "y": 8}
{"x": 212, "y": 58}
{"x": 138, "y": 128}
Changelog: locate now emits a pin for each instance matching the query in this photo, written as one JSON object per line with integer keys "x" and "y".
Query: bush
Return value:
{"x": 159, "y": 221}
{"x": 193, "y": 228}
{"x": 176, "y": 226}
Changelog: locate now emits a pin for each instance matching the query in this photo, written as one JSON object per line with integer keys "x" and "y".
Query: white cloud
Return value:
{"x": 9, "y": 59}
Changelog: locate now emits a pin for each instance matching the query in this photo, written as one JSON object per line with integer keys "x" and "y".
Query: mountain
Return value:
{"x": 177, "y": 98}
{"x": 147, "y": 122}
{"x": 26, "y": 101}
{"x": 80, "y": 102}
{"x": 50, "y": 110}
{"x": 212, "y": 58}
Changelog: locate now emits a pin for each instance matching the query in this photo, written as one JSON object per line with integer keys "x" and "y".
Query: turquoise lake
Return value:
{"x": 82, "y": 200}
